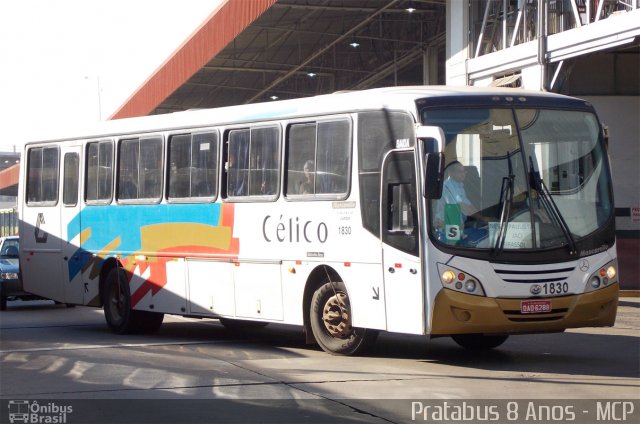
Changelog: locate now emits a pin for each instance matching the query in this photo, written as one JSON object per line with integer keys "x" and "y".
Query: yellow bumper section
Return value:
{"x": 460, "y": 313}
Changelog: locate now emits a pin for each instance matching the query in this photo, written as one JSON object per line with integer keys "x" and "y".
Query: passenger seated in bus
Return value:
{"x": 307, "y": 186}
{"x": 453, "y": 209}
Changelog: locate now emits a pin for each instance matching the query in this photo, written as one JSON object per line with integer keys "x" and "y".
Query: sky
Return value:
{"x": 66, "y": 63}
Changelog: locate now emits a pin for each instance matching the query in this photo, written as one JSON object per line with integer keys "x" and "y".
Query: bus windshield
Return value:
{"x": 519, "y": 178}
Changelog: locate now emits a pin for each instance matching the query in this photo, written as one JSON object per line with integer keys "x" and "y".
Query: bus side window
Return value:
{"x": 71, "y": 179}
{"x": 128, "y": 156}
{"x": 204, "y": 164}
{"x": 378, "y": 132}
{"x": 237, "y": 166}
{"x": 319, "y": 158}
{"x": 34, "y": 175}
{"x": 264, "y": 160}
{"x": 301, "y": 145}
{"x": 401, "y": 210}
{"x": 399, "y": 216}
{"x": 140, "y": 169}
{"x": 252, "y": 166}
{"x": 150, "y": 169}
{"x": 333, "y": 157}
{"x": 179, "y": 165}
{"x": 99, "y": 174}
{"x": 193, "y": 165}
{"x": 43, "y": 175}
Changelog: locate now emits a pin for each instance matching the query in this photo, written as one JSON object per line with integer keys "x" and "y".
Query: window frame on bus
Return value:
{"x": 225, "y": 164}
{"x": 118, "y": 170}
{"x": 349, "y": 164}
{"x": 168, "y": 171}
{"x": 98, "y": 201}
{"x": 39, "y": 202}
{"x": 71, "y": 186}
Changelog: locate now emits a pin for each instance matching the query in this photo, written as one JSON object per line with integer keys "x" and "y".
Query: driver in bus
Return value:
{"x": 454, "y": 209}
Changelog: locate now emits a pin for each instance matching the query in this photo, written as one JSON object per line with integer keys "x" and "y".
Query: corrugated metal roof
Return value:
{"x": 256, "y": 50}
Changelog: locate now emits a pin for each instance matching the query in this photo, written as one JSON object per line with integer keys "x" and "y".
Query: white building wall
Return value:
{"x": 622, "y": 115}
{"x": 457, "y": 42}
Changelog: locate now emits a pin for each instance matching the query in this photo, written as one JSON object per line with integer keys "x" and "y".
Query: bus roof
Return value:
{"x": 393, "y": 98}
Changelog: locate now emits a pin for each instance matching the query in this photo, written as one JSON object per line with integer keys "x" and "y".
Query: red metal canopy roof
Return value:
{"x": 222, "y": 26}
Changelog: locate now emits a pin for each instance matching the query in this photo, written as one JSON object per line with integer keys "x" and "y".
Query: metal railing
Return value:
{"x": 500, "y": 24}
{"x": 8, "y": 222}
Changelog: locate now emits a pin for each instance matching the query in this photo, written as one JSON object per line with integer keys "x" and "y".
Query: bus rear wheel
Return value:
{"x": 330, "y": 318}
{"x": 479, "y": 341}
{"x": 117, "y": 307}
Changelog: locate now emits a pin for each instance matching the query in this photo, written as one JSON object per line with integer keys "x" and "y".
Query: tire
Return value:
{"x": 117, "y": 307}
{"x": 242, "y": 325}
{"x": 330, "y": 318}
{"x": 3, "y": 303}
{"x": 479, "y": 341}
{"x": 148, "y": 322}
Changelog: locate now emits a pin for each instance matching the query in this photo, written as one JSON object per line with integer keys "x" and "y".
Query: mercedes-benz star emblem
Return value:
{"x": 584, "y": 265}
{"x": 536, "y": 289}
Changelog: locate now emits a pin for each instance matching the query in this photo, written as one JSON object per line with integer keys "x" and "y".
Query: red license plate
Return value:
{"x": 535, "y": 306}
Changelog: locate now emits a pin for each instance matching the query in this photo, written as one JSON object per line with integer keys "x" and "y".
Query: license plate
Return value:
{"x": 535, "y": 306}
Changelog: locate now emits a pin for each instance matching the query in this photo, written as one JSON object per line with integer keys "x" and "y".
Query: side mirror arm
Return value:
{"x": 434, "y": 161}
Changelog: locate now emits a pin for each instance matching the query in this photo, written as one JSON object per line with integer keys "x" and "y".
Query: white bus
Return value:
{"x": 471, "y": 213}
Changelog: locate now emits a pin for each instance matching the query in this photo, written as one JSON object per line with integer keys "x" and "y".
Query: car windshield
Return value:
{"x": 10, "y": 248}
{"x": 519, "y": 178}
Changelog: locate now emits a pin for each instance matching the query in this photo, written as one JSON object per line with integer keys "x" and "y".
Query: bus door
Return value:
{"x": 400, "y": 244}
{"x": 70, "y": 224}
{"x": 40, "y": 236}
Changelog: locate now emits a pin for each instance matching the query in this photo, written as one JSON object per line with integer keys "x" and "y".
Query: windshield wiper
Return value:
{"x": 506, "y": 198}
{"x": 550, "y": 206}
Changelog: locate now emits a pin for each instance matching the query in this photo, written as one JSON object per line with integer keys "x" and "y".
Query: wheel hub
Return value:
{"x": 336, "y": 316}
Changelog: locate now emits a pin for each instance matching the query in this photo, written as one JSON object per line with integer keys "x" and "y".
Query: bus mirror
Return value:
{"x": 434, "y": 175}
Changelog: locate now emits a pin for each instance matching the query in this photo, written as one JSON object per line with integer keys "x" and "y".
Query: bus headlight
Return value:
{"x": 448, "y": 276}
{"x": 603, "y": 277}
{"x": 455, "y": 279}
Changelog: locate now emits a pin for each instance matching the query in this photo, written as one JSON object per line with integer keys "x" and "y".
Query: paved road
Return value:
{"x": 49, "y": 351}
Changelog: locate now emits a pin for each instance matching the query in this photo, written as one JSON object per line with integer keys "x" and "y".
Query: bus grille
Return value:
{"x": 531, "y": 275}
{"x": 534, "y": 275}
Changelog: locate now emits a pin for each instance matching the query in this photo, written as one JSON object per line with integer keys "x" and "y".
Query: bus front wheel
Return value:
{"x": 330, "y": 318}
{"x": 117, "y": 307}
{"x": 479, "y": 341}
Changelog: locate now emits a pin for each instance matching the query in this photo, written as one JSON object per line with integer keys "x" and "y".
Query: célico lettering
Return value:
{"x": 293, "y": 230}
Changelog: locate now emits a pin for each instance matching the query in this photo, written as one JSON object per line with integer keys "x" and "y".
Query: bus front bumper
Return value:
{"x": 460, "y": 313}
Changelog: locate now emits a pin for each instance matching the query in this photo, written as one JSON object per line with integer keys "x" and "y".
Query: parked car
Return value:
{"x": 10, "y": 281}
